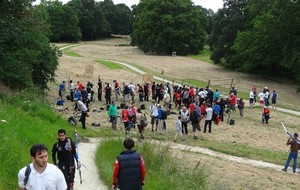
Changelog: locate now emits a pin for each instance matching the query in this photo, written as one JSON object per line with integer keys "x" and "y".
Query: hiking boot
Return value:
{"x": 285, "y": 170}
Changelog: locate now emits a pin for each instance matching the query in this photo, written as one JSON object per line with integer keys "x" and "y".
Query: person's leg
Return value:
{"x": 113, "y": 122}
{"x": 295, "y": 156}
{"x": 82, "y": 119}
{"x": 205, "y": 124}
{"x": 288, "y": 161}
{"x": 209, "y": 126}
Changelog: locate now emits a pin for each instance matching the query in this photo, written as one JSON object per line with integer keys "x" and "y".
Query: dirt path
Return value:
{"x": 90, "y": 174}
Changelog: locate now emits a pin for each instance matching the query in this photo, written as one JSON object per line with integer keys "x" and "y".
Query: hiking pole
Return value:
{"x": 287, "y": 132}
{"x": 78, "y": 163}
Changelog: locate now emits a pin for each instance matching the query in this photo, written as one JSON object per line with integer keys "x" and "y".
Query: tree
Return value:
{"x": 92, "y": 22}
{"x": 226, "y": 24}
{"x": 165, "y": 26}
{"x": 270, "y": 44}
{"x": 64, "y": 22}
{"x": 118, "y": 16}
{"x": 27, "y": 59}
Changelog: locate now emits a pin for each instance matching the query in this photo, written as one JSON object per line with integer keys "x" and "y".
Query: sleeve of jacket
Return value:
{"x": 115, "y": 172}
{"x": 143, "y": 170}
{"x": 54, "y": 150}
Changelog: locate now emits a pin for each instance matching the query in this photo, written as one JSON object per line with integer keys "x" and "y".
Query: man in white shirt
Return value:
{"x": 154, "y": 114}
{"x": 84, "y": 111}
{"x": 40, "y": 174}
{"x": 261, "y": 96}
{"x": 208, "y": 118}
{"x": 251, "y": 98}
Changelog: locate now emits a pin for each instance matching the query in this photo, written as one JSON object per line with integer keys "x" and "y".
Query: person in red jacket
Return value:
{"x": 126, "y": 119}
{"x": 129, "y": 169}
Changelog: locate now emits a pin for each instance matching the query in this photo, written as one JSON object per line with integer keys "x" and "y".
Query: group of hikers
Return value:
{"x": 194, "y": 105}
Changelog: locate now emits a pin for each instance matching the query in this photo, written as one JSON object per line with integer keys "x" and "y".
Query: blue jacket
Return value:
{"x": 160, "y": 113}
{"x": 130, "y": 171}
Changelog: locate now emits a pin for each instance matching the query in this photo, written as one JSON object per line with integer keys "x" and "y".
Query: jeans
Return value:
{"x": 292, "y": 155}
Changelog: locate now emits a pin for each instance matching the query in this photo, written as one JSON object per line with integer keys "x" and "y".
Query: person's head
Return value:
{"x": 39, "y": 155}
{"x": 184, "y": 109}
{"x": 179, "y": 117}
{"x": 61, "y": 134}
{"x": 296, "y": 135}
{"x": 158, "y": 106}
{"x": 153, "y": 101}
{"x": 139, "y": 110}
{"x": 126, "y": 107}
{"x": 71, "y": 81}
{"x": 128, "y": 143}
{"x": 113, "y": 102}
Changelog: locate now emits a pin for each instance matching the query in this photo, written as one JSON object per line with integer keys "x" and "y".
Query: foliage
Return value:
{"x": 165, "y": 26}
{"x": 64, "y": 22}
{"x": 257, "y": 36}
{"x": 92, "y": 21}
{"x": 118, "y": 16}
{"x": 26, "y": 57}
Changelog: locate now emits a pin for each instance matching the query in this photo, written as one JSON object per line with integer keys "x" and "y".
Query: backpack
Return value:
{"x": 27, "y": 173}
{"x": 60, "y": 102}
{"x": 231, "y": 122}
{"x": 72, "y": 121}
{"x": 144, "y": 121}
{"x": 164, "y": 114}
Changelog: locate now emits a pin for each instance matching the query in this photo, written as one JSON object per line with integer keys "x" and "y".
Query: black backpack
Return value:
{"x": 27, "y": 173}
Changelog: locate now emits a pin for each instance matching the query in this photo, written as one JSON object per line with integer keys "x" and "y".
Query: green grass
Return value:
{"x": 163, "y": 171}
{"x": 109, "y": 64}
{"x": 72, "y": 54}
{"x": 204, "y": 55}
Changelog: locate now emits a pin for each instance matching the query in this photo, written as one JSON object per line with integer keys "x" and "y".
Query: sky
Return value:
{"x": 208, "y": 4}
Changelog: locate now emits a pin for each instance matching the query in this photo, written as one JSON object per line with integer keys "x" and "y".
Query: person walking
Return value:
{"x": 154, "y": 113}
{"x": 294, "y": 148}
{"x": 40, "y": 174}
{"x": 113, "y": 113}
{"x": 208, "y": 118}
{"x": 241, "y": 106}
{"x": 139, "y": 117}
{"x": 80, "y": 106}
{"x": 184, "y": 115}
{"x": 72, "y": 90}
{"x": 64, "y": 156}
{"x": 178, "y": 129}
{"x": 274, "y": 99}
{"x": 195, "y": 118}
{"x": 129, "y": 169}
{"x": 62, "y": 89}
{"x": 126, "y": 119}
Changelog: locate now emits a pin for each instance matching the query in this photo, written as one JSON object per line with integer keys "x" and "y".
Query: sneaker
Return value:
{"x": 285, "y": 170}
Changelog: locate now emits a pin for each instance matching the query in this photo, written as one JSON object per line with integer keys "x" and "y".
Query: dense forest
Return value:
{"x": 254, "y": 36}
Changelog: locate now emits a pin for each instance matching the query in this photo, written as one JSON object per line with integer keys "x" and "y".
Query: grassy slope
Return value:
{"x": 28, "y": 122}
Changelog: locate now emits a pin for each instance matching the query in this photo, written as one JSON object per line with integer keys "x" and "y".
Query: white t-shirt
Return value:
{"x": 261, "y": 96}
{"x": 251, "y": 94}
{"x": 153, "y": 111}
{"x": 51, "y": 179}
{"x": 209, "y": 113}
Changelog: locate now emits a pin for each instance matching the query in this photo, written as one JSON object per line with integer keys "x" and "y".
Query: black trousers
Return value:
{"x": 184, "y": 127}
{"x": 69, "y": 174}
{"x": 207, "y": 122}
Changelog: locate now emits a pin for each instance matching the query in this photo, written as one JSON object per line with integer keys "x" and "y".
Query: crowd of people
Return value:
{"x": 198, "y": 106}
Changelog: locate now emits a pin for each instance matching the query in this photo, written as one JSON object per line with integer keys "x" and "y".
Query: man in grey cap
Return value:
{"x": 294, "y": 147}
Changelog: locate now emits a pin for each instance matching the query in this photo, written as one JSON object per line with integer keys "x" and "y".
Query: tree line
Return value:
{"x": 254, "y": 36}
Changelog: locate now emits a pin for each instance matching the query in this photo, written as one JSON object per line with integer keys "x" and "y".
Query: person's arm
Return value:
{"x": 289, "y": 141}
{"x": 143, "y": 170}
{"x": 54, "y": 149}
{"x": 115, "y": 174}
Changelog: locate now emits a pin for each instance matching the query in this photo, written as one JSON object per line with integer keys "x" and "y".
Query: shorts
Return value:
{"x": 196, "y": 126}
{"x": 273, "y": 101}
{"x": 154, "y": 119}
{"x": 261, "y": 101}
{"x": 251, "y": 100}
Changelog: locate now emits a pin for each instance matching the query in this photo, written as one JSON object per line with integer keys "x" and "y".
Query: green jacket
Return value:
{"x": 112, "y": 111}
